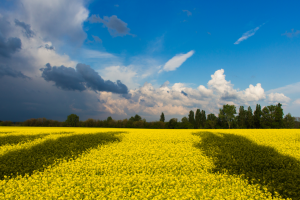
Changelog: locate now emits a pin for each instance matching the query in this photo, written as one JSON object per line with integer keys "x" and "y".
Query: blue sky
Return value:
{"x": 114, "y": 58}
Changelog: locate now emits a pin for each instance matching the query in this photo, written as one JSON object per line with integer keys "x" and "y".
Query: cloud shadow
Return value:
{"x": 40, "y": 156}
{"x": 262, "y": 165}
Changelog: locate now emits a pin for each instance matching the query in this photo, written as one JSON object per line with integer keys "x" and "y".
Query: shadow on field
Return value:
{"x": 39, "y": 157}
{"x": 260, "y": 164}
{"x": 16, "y": 139}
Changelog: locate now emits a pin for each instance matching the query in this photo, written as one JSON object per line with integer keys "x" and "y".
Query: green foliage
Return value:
{"x": 184, "y": 119}
{"x": 72, "y": 120}
{"x": 197, "y": 118}
{"x": 279, "y": 116}
{"x": 242, "y": 118}
{"x": 172, "y": 123}
{"x": 162, "y": 117}
{"x": 227, "y": 113}
{"x": 249, "y": 118}
{"x": 191, "y": 117}
{"x": 257, "y": 116}
{"x": 109, "y": 119}
{"x": 6, "y": 123}
{"x": 289, "y": 121}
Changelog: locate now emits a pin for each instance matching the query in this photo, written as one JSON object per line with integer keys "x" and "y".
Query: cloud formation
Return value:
{"x": 84, "y": 77}
{"x": 116, "y": 26}
{"x": 179, "y": 99}
{"x": 10, "y": 46}
{"x": 7, "y": 71}
{"x": 97, "y": 39}
{"x": 28, "y": 32}
{"x": 176, "y": 61}
{"x": 292, "y": 34}
{"x": 248, "y": 34}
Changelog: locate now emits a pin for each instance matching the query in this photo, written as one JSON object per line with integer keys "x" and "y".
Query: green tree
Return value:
{"x": 184, "y": 119}
{"x": 172, "y": 123}
{"x": 227, "y": 113}
{"x": 211, "y": 121}
{"x": 109, "y": 119}
{"x": 72, "y": 120}
{"x": 249, "y": 118}
{"x": 257, "y": 116}
{"x": 242, "y": 117}
{"x": 289, "y": 121}
{"x": 137, "y": 118}
{"x": 197, "y": 118}
{"x": 266, "y": 118}
{"x": 279, "y": 116}
{"x": 202, "y": 118}
{"x": 192, "y": 118}
{"x": 162, "y": 117}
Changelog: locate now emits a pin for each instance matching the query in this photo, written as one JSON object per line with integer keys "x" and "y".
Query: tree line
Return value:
{"x": 268, "y": 117}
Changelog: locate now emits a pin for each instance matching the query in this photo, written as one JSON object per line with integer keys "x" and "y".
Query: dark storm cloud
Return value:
{"x": 10, "y": 46}
{"x": 68, "y": 79}
{"x": 113, "y": 23}
{"x": 29, "y": 33}
{"x": 7, "y": 71}
{"x": 185, "y": 94}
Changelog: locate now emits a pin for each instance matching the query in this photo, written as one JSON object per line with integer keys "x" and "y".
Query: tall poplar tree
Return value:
{"x": 192, "y": 118}
{"x": 249, "y": 118}
{"x": 257, "y": 116}
{"x": 203, "y": 118}
{"x": 197, "y": 118}
{"x": 278, "y": 116}
{"x": 242, "y": 117}
{"x": 162, "y": 117}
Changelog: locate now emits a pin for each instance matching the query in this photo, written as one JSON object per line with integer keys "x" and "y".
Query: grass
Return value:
{"x": 107, "y": 163}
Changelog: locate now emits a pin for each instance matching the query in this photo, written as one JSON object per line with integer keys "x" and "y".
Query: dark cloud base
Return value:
{"x": 84, "y": 77}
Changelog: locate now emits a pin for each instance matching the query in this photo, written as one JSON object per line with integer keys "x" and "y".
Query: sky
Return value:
{"x": 106, "y": 58}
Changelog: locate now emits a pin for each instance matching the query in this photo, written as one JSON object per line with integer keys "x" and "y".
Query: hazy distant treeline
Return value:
{"x": 268, "y": 117}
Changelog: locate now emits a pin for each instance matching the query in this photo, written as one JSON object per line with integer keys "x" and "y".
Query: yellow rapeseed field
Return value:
{"x": 108, "y": 163}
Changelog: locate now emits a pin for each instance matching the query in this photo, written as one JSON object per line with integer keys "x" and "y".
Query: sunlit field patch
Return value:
{"x": 107, "y": 163}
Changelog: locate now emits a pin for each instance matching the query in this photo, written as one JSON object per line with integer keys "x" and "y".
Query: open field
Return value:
{"x": 107, "y": 163}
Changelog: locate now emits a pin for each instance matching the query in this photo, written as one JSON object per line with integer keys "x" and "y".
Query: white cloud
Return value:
{"x": 254, "y": 93}
{"x": 288, "y": 89}
{"x": 204, "y": 91}
{"x": 54, "y": 19}
{"x": 87, "y": 53}
{"x": 278, "y": 98}
{"x": 218, "y": 82}
{"x": 126, "y": 75}
{"x": 297, "y": 101}
{"x": 248, "y": 34}
{"x": 176, "y": 61}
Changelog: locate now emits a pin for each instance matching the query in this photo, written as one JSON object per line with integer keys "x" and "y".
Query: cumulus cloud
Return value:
{"x": 176, "y": 61}
{"x": 116, "y": 26}
{"x": 55, "y": 19}
{"x": 28, "y": 32}
{"x": 254, "y": 93}
{"x": 248, "y": 34}
{"x": 187, "y": 12}
{"x": 297, "y": 101}
{"x": 7, "y": 71}
{"x": 67, "y": 78}
{"x": 278, "y": 97}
